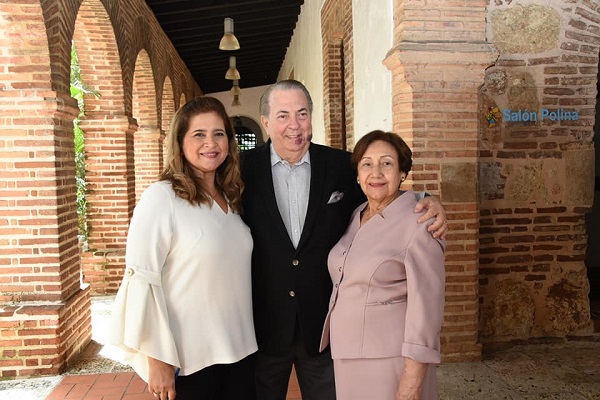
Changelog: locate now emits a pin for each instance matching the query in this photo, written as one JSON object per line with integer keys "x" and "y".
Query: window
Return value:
{"x": 246, "y": 139}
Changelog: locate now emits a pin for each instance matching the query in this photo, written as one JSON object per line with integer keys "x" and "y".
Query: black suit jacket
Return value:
{"x": 289, "y": 283}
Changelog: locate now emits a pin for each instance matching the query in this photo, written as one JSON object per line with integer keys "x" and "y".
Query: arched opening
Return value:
{"x": 247, "y": 132}
{"x": 147, "y": 141}
{"x": 167, "y": 112}
{"x": 108, "y": 149}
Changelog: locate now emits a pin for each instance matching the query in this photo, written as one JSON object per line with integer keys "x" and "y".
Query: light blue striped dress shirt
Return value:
{"x": 292, "y": 187}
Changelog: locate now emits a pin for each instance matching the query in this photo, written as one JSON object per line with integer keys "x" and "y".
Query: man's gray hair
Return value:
{"x": 287, "y": 84}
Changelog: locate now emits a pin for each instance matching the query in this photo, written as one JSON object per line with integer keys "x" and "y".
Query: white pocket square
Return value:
{"x": 335, "y": 197}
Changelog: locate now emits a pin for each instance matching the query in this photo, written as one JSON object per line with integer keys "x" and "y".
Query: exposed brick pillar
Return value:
{"x": 45, "y": 316}
{"x": 333, "y": 94}
{"x": 110, "y": 196}
{"x": 338, "y": 72}
{"x": 148, "y": 144}
{"x": 435, "y": 111}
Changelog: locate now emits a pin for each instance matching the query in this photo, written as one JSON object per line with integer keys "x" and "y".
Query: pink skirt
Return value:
{"x": 376, "y": 379}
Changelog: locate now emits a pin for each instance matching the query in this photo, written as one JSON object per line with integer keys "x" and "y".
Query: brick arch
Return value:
{"x": 60, "y": 22}
{"x": 338, "y": 72}
{"x": 108, "y": 147}
{"x": 187, "y": 92}
{"x": 147, "y": 144}
{"x": 98, "y": 52}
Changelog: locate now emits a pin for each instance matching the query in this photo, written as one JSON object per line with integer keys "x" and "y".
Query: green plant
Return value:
{"x": 78, "y": 91}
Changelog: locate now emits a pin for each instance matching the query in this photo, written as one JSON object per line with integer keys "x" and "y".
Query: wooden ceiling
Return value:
{"x": 263, "y": 27}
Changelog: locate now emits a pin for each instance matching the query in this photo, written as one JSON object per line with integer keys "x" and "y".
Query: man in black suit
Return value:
{"x": 297, "y": 201}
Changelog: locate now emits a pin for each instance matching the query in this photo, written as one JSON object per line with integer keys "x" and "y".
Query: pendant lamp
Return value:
{"x": 229, "y": 41}
{"x": 232, "y": 72}
{"x": 235, "y": 89}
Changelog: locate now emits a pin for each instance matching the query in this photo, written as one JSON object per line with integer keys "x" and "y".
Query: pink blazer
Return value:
{"x": 388, "y": 287}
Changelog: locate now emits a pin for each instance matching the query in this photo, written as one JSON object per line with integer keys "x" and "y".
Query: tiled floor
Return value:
{"x": 117, "y": 386}
{"x": 562, "y": 370}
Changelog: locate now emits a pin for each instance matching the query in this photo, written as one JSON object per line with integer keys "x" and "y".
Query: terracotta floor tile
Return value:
{"x": 110, "y": 398}
{"x": 136, "y": 386}
{"x": 140, "y": 396}
{"x": 74, "y": 379}
{"x": 106, "y": 377}
{"x": 60, "y": 391}
{"x": 79, "y": 391}
{"x": 113, "y": 391}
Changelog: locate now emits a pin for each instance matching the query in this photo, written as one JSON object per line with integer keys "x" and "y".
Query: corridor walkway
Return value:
{"x": 549, "y": 371}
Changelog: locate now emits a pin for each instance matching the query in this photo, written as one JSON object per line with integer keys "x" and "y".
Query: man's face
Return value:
{"x": 288, "y": 124}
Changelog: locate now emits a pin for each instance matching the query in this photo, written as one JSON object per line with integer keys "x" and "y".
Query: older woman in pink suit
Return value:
{"x": 387, "y": 305}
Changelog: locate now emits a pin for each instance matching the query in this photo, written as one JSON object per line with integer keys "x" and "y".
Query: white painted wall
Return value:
{"x": 305, "y": 58}
{"x": 250, "y": 104}
{"x": 373, "y": 38}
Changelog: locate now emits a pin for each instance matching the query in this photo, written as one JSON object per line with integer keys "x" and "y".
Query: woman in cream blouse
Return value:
{"x": 185, "y": 306}
{"x": 387, "y": 304}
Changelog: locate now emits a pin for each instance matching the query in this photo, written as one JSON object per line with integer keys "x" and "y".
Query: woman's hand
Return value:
{"x": 161, "y": 380}
{"x": 411, "y": 380}
{"x": 434, "y": 209}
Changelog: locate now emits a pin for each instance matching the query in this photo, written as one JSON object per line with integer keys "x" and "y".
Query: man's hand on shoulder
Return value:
{"x": 434, "y": 208}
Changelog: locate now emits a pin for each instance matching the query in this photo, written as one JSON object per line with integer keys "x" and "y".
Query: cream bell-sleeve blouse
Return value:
{"x": 186, "y": 297}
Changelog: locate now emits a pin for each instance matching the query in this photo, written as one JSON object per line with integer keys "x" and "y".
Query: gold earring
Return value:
{"x": 358, "y": 181}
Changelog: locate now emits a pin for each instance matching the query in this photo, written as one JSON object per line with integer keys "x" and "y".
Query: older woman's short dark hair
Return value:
{"x": 404, "y": 152}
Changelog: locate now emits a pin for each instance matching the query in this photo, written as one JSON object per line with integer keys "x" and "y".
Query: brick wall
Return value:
{"x": 516, "y": 192}
{"x": 338, "y": 73}
{"x": 44, "y": 309}
{"x": 537, "y": 177}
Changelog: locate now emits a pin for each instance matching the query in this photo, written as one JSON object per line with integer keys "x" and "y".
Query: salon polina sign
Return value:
{"x": 545, "y": 114}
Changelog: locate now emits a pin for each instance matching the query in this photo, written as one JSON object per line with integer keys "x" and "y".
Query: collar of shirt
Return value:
{"x": 275, "y": 158}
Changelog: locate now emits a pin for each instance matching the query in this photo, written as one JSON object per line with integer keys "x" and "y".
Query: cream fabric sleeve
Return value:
{"x": 140, "y": 319}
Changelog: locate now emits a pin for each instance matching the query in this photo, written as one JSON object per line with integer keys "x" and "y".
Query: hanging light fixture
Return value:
{"x": 235, "y": 89}
{"x": 232, "y": 72}
{"x": 229, "y": 41}
{"x": 236, "y": 101}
